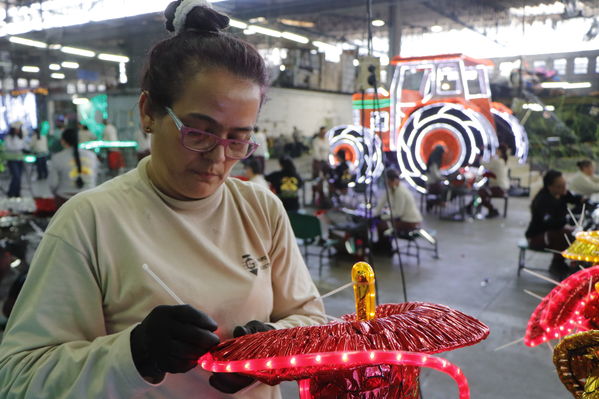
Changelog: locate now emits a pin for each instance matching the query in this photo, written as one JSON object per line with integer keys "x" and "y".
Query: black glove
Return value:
{"x": 171, "y": 339}
{"x": 233, "y": 382}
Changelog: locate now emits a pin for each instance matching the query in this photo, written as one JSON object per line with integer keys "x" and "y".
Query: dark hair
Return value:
{"x": 254, "y": 166}
{"x": 256, "y": 129}
{"x": 36, "y": 131}
{"x": 550, "y": 177}
{"x": 200, "y": 44}
{"x": 392, "y": 174}
{"x": 341, "y": 154}
{"x": 503, "y": 149}
{"x": 436, "y": 157}
{"x": 16, "y": 131}
{"x": 287, "y": 166}
{"x": 70, "y": 136}
{"x": 583, "y": 164}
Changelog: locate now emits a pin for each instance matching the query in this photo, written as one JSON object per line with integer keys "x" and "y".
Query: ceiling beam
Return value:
{"x": 301, "y": 7}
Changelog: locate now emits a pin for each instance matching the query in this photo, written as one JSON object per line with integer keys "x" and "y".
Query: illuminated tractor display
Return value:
{"x": 439, "y": 100}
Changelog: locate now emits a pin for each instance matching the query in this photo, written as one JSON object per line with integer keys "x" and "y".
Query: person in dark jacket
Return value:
{"x": 548, "y": 227}
{"x": 286, "y": 183}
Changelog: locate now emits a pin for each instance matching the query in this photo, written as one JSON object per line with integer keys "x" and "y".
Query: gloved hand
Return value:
{"x": 233, "y": 382}
{"x": 171, "y": 339}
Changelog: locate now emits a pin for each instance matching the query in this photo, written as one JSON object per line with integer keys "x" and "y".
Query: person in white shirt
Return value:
{"x": 85, "y": 134}
{"x": 499, "y": 181}
{"x": 13, "y": 147}
{"x": 109, "y": 133}
{"x": 39, "y": 146}
{"x": 585, "y": 182}
{"x": 72, "y": 170}
{"x": 261, "y": 153}
{"x": 403, "y": 209}
{"x": 320, "y": 153}
{"x": 434, "y": 178}
{"x": 252, "y": 170}
{"x": 90, "y": 322}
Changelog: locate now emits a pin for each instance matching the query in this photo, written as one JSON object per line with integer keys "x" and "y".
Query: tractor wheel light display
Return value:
{"x": 462, "y": 132}
{"x": 362, "y": 150}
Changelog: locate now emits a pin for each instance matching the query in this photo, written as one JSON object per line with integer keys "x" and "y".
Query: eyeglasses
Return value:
{"x": 200, "y": 141}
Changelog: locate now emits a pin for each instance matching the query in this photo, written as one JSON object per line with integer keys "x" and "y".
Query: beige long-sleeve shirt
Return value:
{"x": 584, "y": 185}
{"x": 232, "y": 255}
{"x": 499, "y": 168}
{"x": 403, "y": 205}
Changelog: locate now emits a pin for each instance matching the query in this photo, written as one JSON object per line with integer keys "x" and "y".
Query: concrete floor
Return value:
{"x": 476, "y": 275}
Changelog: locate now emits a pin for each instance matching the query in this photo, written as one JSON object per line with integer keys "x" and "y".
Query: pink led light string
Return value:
{"x": 565, "y": 309}
{"x": 337, "y": 359}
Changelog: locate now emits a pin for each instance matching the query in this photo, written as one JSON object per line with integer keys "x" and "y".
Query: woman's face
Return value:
{"x": 216, "y": 102}
{"x": 558, "y": 187}
{"x": 589, "y": 169}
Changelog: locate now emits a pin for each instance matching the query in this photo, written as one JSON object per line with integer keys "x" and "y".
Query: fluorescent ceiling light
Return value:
{"x": 566, "y": 85}
{"x": 80, "y": 100}
{"x": 249, "y": 32}
{"x": 69, "y": 64}
{"x": 356, "y": 62}
{"x": 77, "y": 51}
{"x": 533, "y": 107}
{"x": 323, "y": 45}
{"x": 57, "y": 75}
{"x": 113, "y": 57}
{"x": 265, "y": 31}
{"x": 55, "y": 46}
{"x": 237, "y": 24}
{"x": 436, "y": 28}
{"x": 54, "y": 67}
{"x": 27, "y": 42}
{"x": 282, "y": 68}
{"x": 295, "y": 38}
{"x": 300, "y": 24}
{"x": 378, "y": 23}
{"x": 31, "y": 69}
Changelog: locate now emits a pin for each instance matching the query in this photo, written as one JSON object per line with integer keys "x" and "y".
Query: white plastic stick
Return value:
{"x": 162, "y": 284}
{"x": 533, "y": 294}
{"x": 541, "y": 276}
{"x": 336, "y": 290}
{"x": 334, "y": 318}
{"x": 509, "y": 344}
{"x": 573, "y": 217}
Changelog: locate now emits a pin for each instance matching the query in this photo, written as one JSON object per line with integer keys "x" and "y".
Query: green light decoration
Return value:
{"x": 372, "y": 104}
{"x": 92, "y": 145}
{"x": 92, "y": 113}
{"x": 44, "y": 128}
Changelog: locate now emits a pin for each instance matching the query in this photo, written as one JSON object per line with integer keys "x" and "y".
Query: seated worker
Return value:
{"x": 499, "y": 181}
{"x": 548, "y": 226}
{"x": 89, "y": 321}
{"x": 340, "y": 174}
{"x": 287, "y": 183}
{"x": 253, "y": 171}
{"x": 434, "y": 178}
{"x": 585, "y": 182}
{"x": 405, "y": 213}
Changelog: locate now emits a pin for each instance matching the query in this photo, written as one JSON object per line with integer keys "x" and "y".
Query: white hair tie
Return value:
{"x": 185, "y": 8}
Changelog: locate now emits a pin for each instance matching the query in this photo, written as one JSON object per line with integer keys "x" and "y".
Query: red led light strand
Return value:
{"x": 331, "y": 360}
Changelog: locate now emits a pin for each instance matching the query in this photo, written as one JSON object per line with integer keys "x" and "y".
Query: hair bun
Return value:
{"x": 196, "y": 15}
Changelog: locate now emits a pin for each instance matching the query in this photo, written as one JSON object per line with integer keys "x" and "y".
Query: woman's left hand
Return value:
{"x": 233, "y": 382}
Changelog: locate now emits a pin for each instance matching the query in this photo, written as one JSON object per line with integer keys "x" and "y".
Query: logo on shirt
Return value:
{"x": 253, "y": 265}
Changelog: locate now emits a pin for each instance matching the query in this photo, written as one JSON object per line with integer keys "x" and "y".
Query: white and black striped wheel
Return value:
{"x": 463, "y": 132}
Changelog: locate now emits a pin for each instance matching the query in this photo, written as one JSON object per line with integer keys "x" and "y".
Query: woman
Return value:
{"x": 223, "y": 247}
{"x": 585, "y": 182}
{"x": 14, "y": 146}
{"x": 499, "y": 181}
{"x": 434, "y": 178}
{"x": 403, "y": 209}
{"x": 253, "y": 171}
{"x": 39, "y": 146}
{"x": 286, "y": 183}
{"x": 72, "y": 170}
{"x": 547, "y": 228}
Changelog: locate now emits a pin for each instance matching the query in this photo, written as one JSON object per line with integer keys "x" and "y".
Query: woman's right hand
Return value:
{"x": 171, "y": 339}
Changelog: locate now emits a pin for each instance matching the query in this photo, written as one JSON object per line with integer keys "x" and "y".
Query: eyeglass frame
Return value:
{"x": 184, "y": 130}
